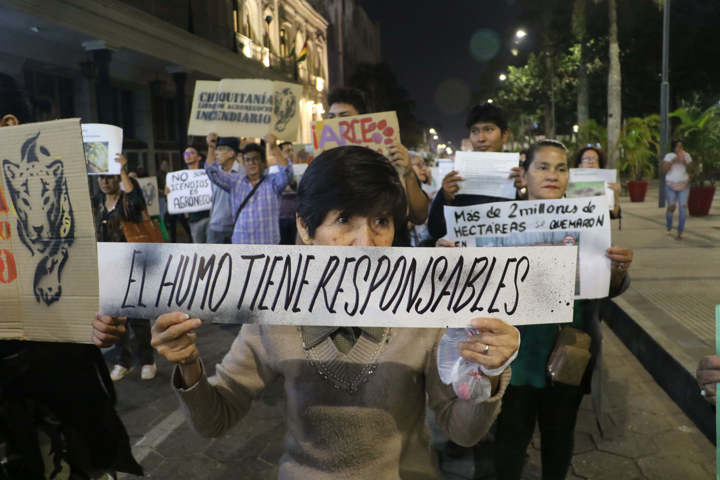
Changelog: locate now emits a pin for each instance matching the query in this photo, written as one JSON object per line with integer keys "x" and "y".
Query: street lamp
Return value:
{"x": 502, "y": 77}
{"x": 576, "y": 128}
{"x": 435, "y": 137}
{"x": 432, "y": 131}
{"x": 490, "y": 100}
{"x": 514, "y": 52}
{"x": 520, "y": 34}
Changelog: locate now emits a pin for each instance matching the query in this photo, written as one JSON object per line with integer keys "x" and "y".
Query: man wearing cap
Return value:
{"x": 224, "y": 151}
{"x": 255, "y": 194}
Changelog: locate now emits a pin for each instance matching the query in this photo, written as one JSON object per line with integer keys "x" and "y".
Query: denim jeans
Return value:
{"x": 673, "y": 197}
{"x": 199, "y": 230}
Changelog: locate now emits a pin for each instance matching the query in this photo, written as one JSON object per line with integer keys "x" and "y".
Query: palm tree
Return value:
{"x": 579, "y": 29}
{"x": 614, "y": 97}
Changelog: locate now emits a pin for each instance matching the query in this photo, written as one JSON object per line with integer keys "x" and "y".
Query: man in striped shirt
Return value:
{"x": 257, "y": 192}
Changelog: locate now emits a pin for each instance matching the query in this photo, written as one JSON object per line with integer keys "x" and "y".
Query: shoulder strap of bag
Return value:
{"x": 242, "y": 205}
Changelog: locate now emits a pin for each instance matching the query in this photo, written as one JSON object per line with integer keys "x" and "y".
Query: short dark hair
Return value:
{"x": 254, "y": 147}
{"x": 351, "y": 96}
{"x": 548, "y": 142}
{"x": 674, "y": 143}
{"x": 282, "y": 144}
{"x": 600, "y": 154}
{"x": 13, "y": 100}
{"x": 487, "y": 113}
{"x": 356, "y": 181}
{"x": 231, "y": 142}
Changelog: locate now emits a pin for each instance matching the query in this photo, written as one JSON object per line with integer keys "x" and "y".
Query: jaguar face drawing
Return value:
{"x": 284, "y": 108}
{"x": 45, "y": 224}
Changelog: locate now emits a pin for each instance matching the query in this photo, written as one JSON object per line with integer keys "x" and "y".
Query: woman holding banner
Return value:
{"x": 534, "y": 394}
{"x": 355, "y": 397}
{"x": 594, "y": 157}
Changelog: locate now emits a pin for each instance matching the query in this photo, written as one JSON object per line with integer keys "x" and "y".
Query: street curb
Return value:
{"x": 676, "y": 380}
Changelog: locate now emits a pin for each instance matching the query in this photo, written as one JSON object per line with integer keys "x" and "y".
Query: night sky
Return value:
{"x": 439, "y": 50}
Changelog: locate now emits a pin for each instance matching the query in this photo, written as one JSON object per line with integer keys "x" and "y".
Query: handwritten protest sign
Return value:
{"x": 486, "y": 173}
{"x": 48, "y": 265}
{"x": 101, "y": 143}
{"x": 584, "y": 222}
{"x": 592, "y": 182}
{"x": 150, "y": 192}
{"x": 354, "y": 286}
{"x": 190, "y": 191}
{"x": 375, "y": 130}
{"x": 245, "y": 108}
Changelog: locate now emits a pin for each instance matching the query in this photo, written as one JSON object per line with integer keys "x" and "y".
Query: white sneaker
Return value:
{"x": 119, "y": 372}
{"x": 148, "y": 372}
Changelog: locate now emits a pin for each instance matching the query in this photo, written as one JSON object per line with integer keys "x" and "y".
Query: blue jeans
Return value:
{"x": 673, "y": 197}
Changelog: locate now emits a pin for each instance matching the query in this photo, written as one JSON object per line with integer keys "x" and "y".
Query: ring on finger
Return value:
{"x": 485, "y": 349}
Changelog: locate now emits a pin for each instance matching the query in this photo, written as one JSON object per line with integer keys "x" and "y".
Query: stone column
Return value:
{"x": 101, "y": 57}
{"x": 180, "y": 79}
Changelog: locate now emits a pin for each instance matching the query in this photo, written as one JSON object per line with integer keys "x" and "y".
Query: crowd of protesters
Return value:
{"x": 348, "y": 422}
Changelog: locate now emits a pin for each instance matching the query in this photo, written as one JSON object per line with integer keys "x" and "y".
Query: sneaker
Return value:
{"x": 148, "y": 372}
{"x": 679, "y": 236}
{"x": 119, "y": 372}
{"x": 669, "y": 232}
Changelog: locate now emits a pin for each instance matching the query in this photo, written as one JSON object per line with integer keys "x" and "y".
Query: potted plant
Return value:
{"x": 636, "y": 143}
{"x": 700, "y": 133}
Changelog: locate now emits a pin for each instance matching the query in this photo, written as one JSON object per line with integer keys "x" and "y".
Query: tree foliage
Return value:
{"x": 699, "y": 130}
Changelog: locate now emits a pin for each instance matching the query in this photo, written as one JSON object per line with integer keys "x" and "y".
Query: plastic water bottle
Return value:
{"x": 465, "y": 376}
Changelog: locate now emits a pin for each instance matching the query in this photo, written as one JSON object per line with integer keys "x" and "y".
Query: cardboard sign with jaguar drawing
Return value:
{"x": 48, "y": 259}
{"x": 246, "y": 108}
{"x": 375, "y": 130}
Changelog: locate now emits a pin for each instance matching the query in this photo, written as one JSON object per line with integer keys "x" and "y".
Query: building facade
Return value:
{"x": 353, "y": 38}
{"x": 133, "y": 63}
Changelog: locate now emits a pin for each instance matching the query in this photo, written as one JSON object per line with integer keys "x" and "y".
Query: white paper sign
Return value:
{"x": 150, "y": 193}
{"x": 584, "y": 182}
{"x": 190, "y": 191}
{"x": 299, "y": 170}
{"x": 101, "y": 143}
{"x": 353, "y": 286}
{"x": 584, "y": 222}
{"x": 486, "y": 173}
{"x": 445, "y": 166}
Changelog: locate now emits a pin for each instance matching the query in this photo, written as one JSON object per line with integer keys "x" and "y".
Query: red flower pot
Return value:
{"x": 637, "y": 190}
{"x": 700, "y": 200}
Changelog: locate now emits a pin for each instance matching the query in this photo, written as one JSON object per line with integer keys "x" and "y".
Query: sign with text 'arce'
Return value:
{"x": 376, "y": 131}
{"x": 352, "y": 286}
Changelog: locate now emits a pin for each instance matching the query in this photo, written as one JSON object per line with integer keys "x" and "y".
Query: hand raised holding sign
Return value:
{"x": 174, "y": 338}
{"x": 493, "y": 346}
{"x": 450, "y": 185}
{"x": 399, "y": 156}
{"x": 211, "y": 140}
{"x": 108, "y": 330}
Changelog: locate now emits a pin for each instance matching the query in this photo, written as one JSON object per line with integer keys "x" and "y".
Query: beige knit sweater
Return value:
{"x": 360, "y": 415}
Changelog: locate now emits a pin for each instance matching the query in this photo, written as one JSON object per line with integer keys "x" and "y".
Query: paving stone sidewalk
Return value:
{"x": 648, "y": 436}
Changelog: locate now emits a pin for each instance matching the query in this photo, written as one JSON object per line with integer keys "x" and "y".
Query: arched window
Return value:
{"x": 283, "y": 43}
{"x": 246, "y": 30}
